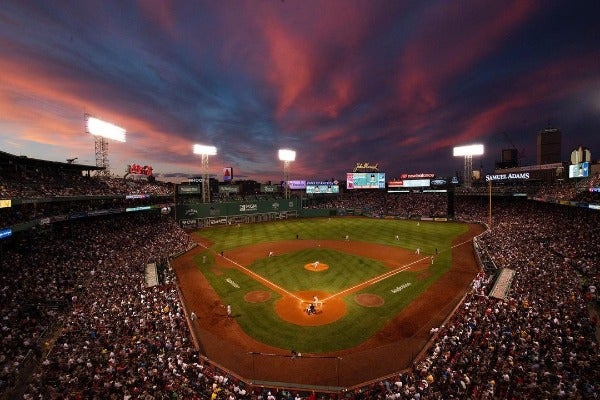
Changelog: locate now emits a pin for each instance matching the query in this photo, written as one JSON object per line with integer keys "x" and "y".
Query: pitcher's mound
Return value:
{"x": 293, "y": 308}
{"x": 316, "y": 266}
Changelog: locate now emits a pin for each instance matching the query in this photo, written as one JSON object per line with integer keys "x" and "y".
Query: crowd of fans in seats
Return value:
{"x": 380, "y": 204}
{"x": 482, "y": 188}
{"x": 28, "y": 212}
{"x": 119, "y": 339}
{"x": 557, "y": 191}
{"x": 40, "y": 183}
{"x": 45, "y": 273}
{"x": 57, "y": 193}
{"x": 539, "y": 342}
{"x": 589, "y": 190}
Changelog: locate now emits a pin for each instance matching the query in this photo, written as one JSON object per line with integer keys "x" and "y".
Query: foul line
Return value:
{"x": 388, "y": 274}
{"x": 257, "y": 276}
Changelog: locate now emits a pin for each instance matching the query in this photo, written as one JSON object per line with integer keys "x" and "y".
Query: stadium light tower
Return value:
{"x": 287, "y": 156}
{"x": 102, "y": 131}
{"x": 468, "y": 152}
{"x": 205, "y": 151}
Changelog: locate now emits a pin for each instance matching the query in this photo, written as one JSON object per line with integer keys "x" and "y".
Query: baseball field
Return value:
{"x": 372, "y": 283}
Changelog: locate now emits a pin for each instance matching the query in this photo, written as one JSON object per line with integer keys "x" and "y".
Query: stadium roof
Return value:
{"x": 7, "y": 159}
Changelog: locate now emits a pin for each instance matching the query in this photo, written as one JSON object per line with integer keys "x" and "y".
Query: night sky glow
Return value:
{"x": 393, "y": 83}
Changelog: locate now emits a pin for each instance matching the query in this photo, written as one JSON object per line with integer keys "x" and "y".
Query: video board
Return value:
{"x": 365, "y": 180}
{"x": 580, "y": 170}
{"x": 322, "y": 187}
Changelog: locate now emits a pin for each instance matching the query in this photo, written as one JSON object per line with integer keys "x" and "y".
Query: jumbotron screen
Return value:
{"x": 322, "y": 187}
{"x": 580, "y": 170}
{"x": 365, "y": 180}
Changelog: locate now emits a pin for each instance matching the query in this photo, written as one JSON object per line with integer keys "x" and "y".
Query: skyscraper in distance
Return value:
{"x": 549, "y": 146}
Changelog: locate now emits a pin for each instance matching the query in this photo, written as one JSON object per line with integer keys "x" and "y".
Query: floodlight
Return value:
{"x": 207, "y": 150}
{"x": 468, "y": 152}
{"x": 105, "y": 129}
{"x": 471, "y": 150}
{"x": 287, "y": 155}
{"x": 204, "y": 152}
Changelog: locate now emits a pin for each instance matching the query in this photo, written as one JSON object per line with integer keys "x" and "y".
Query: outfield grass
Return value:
{"x": 260, "y": 321}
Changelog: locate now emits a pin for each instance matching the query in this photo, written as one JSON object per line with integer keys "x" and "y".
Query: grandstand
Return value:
{"x": 79, "y": 321}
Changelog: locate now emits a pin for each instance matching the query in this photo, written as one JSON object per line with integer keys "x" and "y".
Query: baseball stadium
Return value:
{"x": 135, "y": 288}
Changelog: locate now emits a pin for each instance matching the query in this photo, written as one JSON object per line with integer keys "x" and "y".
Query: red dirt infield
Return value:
{"x": 224, "y": 342}
{"x": 293, "y": 309}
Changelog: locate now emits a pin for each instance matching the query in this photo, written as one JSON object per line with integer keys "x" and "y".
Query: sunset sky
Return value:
{"x": 393, "y": 83}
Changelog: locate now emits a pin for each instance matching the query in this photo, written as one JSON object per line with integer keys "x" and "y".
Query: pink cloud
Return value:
{"x": 49, "y": 109}
{"x": 292, "y": 70}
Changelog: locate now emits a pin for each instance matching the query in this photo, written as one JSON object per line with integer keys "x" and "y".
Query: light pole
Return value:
{"x": 205, "y": 151}
{"x": 102, "y": 131}
{"x": 468, "y": 152}
{"x": 287, "y": 156}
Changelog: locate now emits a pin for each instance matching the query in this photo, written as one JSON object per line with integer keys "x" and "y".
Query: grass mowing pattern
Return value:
{"x": 260, "y": 321}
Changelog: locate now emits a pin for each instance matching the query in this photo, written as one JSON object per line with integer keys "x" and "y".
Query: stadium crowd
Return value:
{"x": 379, "y": 205}
{"x": 49, "y": 194}
{"x": 99, "y": 262}
{"x": 77, "y": 312}
{"x": 47, "y": 183}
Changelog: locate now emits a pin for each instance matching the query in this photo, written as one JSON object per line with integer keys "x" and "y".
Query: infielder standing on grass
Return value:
{"x": 228, "y": 311}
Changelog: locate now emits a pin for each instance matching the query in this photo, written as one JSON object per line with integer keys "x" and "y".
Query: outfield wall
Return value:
{"x": 200, "y": 215}
{"x": 204, "y": 215}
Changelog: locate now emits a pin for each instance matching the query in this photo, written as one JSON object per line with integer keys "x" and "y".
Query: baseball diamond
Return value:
{"x": 342, "y": 331}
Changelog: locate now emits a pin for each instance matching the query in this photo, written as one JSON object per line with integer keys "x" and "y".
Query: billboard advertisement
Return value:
{"x": 297, "y": 184}
{"x": 409, "y": 183}
{"x": 229, "y": 189}
{"x": 227, "y": 174}
{"x": 269, "y": 188}
{"x": 420, "y": 175}
{"x": 322, "y": 187}
{"x": 137, "y": 169}
{"x": 188, "y": 189}
{"x": 365, "y": 180}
